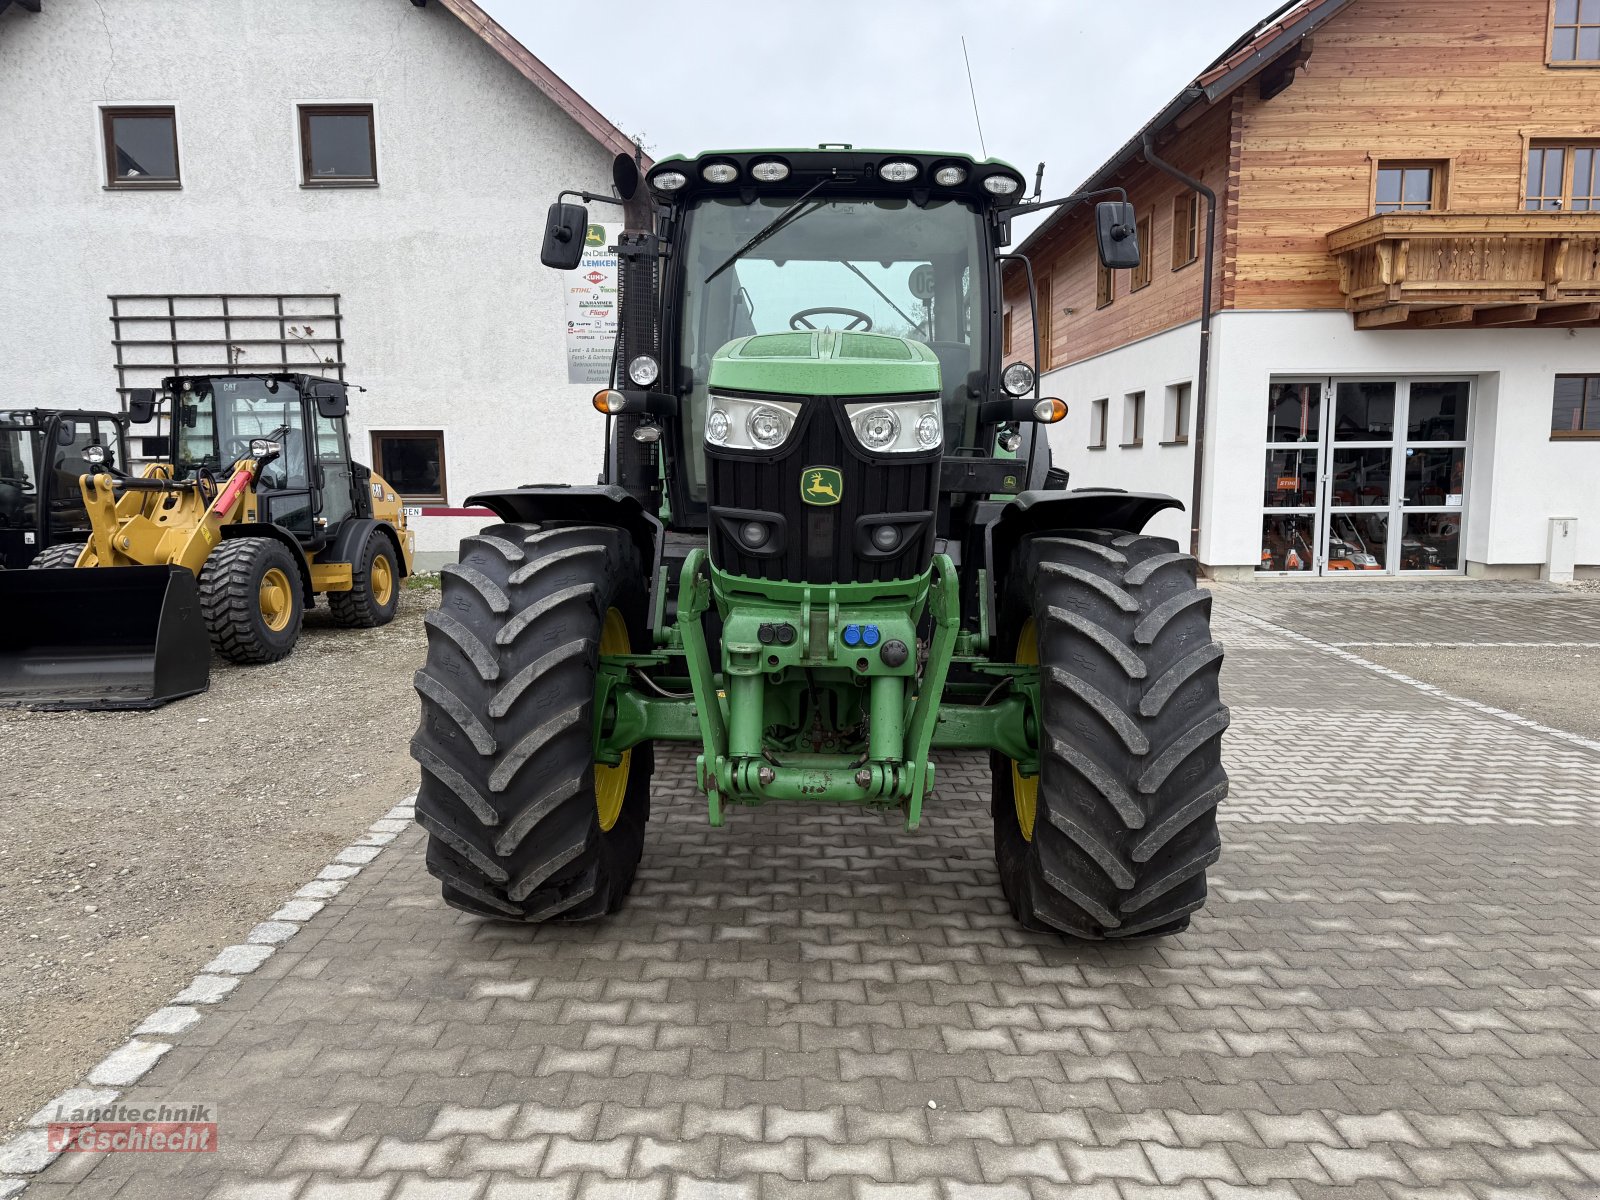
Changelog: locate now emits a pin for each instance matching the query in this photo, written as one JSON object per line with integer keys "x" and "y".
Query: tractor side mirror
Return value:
{"x": 333, "y": 400}
{"x": 564, "y": 231}
{"x": 66, "y": 433}
{"x": 142, "y": 406}
{"x": 1116, "y": 230}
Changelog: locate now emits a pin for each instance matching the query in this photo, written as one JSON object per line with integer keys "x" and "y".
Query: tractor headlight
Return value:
{"x": 1002, "y": 185}
{"x": 644, "y": 370}
{"x": 950, "y": 176}
{"x": 94, "y": 455}
{"x": 719, "y": 172}
{"x": 770, "y": 171}
{"x": 768, "y": 426}
{"x": 262, "y": 448}
{"x": 898, "y": 171}
{"x": 744, "y": 423}
{"x": 668, "y": 181}
{"x": 898, "y": 426}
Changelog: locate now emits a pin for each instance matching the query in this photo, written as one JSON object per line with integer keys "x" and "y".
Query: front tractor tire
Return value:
{"x": 522, "y": 823}
{"x": 251, "y": 597}
{"x": 1113, "y": 836}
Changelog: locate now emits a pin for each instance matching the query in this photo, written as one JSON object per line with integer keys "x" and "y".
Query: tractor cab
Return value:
{"x": 42, "y": 455}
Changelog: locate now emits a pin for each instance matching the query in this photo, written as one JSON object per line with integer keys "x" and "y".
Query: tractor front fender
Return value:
{"x": 1041, "y": 511}
{"x": 281, "y": 535}
{"x": 558, "y": 504}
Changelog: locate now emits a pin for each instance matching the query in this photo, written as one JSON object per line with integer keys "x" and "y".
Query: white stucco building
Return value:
{"x": 289, "y": 183}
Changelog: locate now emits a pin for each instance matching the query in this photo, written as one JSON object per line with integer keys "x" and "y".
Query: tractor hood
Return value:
{"x": 826, "y": 363}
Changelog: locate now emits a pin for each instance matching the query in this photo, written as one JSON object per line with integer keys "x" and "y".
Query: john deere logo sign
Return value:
{"x": 595, "y": 236}
{"x": 821, "y": 485}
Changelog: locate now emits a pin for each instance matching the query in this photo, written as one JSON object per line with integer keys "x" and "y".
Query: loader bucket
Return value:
{"x": 101, "y": 637}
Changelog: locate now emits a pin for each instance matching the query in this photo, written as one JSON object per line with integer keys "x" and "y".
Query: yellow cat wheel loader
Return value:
{"x": 221, "y": 544}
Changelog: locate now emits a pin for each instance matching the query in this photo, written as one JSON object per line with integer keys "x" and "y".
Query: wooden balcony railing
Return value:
{"x": 1441, "y": 269}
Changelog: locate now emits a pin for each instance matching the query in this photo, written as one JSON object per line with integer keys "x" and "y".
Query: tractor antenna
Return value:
{"x": 975, "y": 117}
{"x": 1038, "y": 183}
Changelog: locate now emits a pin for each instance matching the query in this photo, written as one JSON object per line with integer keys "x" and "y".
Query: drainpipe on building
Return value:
{"x": 1202, "y": 387}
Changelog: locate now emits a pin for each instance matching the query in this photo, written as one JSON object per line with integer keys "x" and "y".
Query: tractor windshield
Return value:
{"x": 218, "y": 418}
{"x": 885, "y": 265}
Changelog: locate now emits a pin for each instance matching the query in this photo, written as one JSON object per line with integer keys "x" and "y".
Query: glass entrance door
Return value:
{"x": 1365, "y": 476}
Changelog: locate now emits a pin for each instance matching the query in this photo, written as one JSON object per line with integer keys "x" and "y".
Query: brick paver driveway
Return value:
{"x": 1393, "y": 993}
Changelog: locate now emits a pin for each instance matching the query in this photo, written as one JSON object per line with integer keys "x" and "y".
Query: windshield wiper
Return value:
{"x": 787, "y": 217}
{"x": 862, "y": 275}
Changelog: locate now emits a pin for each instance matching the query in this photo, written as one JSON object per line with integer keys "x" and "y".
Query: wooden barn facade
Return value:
{"x": 1403, "y": 198}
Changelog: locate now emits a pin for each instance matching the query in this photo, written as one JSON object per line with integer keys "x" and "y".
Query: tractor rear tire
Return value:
{"x": 374, "y": 595}
{"x": 250, "y": 595}
{"x": 1113, "y": 837}
{"x": 53, "y": 557}
{"x": 522, "y": 824}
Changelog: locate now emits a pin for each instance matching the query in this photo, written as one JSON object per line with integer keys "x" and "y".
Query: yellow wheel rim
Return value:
{"x": 276, "y": 600}
{"x": 1025, "y": 789}
{"x": 382, "y": 579}
{"x": 611, "y": 783}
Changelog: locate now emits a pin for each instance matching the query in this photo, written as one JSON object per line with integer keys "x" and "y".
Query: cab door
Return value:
{"x": 337, "y": 481}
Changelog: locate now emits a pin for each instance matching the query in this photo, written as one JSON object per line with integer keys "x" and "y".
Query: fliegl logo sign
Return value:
{"x": 821, "y": 485}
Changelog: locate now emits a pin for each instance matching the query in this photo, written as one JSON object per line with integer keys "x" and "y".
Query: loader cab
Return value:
{"x": 42, "y": 455}
{"x": 310, "y": 487}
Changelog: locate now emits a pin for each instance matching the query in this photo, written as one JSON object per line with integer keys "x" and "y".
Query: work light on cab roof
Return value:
{"x": 830, "y": 539}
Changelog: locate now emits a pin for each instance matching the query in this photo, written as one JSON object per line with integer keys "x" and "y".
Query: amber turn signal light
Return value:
{"x": 609, "y": 402}
{"x": 1048, "y": 412}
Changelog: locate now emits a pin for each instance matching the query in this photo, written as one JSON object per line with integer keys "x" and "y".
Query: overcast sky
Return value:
{"x": 1062, "y": 81}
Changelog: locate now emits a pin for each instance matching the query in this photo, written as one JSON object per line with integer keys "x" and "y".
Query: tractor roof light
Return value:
{"x": 644, "y": 370}
{"x": 1018, "y": 379}
{"x": 719, "y": 172}
{"x": 1049, "y": 411}
{"x": 898, "y": 171}
{"x": 262, "y": 448}
{"x": 950, "y": 176}
{"x": 1002, "y": 185}
{"x": 94, "y": 454}
{"x": 770, "y": 171}
{"x": 668, "y": 181}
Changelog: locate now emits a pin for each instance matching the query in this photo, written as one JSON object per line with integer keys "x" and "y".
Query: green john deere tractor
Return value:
{"x": 828, "y": 541}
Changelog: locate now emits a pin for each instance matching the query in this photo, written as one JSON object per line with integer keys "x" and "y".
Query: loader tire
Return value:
{"x": 374, "y": 595}
{"x": 1113, "y": 837}
{"x": 52, "y": 557}
{"x": 522, "y": 824}
{"x": 251, "y": 599}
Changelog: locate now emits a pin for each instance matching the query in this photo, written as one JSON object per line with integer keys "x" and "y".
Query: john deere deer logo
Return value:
{"x": 821, "y": 485}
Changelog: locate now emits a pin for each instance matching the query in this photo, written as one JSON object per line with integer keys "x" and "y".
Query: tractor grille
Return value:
{"x": 822, "y": 544}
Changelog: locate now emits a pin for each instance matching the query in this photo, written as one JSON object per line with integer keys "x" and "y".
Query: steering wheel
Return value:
{"x": 858, "y": 319}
